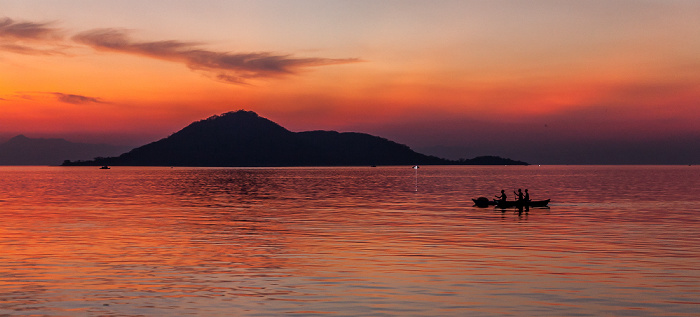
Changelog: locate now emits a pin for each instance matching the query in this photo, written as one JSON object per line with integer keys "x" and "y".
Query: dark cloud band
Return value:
{"x": 30, "y": 38}
{"x": 228, "y": 67}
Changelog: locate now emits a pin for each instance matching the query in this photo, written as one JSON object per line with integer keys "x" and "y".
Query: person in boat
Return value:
{"x": 519, "y": 194}
{"x": 526, "y": 201}
{"x": 527, "y": 196}
{"x": 519, "y": 200}
{"x": 503, "y": 196}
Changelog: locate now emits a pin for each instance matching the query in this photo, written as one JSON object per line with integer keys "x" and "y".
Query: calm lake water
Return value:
{"x": 361, "y": 241}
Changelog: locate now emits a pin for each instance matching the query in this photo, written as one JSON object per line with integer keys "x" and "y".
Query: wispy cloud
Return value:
{"x": 58, "y": 96}
{"x": 10, "y": 29}
{"x": 30, "y": 38}
{"x": 225, "y": 66}
{"x": 76, "y": 99}
{"x": 30, "y": 50}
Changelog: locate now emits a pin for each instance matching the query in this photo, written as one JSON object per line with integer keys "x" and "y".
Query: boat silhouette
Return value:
{"x": 484, "y": 202}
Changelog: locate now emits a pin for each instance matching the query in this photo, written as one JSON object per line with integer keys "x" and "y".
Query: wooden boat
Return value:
{"x": 532, "y": 203}
{"x": 483, "y": 202}
{"x": 104, "y": 167}
{"x": 539, "y": 203}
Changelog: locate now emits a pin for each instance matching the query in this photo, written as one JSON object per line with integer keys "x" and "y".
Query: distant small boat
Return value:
{"x": 484, "y": 202}
{"x": 104, "y": 167}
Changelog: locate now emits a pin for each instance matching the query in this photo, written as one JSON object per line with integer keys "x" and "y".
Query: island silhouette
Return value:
{"x": 244, "y": 139}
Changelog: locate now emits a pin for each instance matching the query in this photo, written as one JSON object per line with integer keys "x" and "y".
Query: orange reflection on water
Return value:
{"x": 351, "y": 241}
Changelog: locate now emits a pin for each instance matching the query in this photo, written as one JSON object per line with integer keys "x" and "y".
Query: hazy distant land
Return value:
{"x": 21, "y": 150}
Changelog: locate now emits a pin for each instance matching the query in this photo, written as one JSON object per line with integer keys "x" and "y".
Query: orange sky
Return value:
{"x": 459, "y": 75}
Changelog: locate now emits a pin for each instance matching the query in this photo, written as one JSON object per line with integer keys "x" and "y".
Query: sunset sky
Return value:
{"x": 541, "y": 81}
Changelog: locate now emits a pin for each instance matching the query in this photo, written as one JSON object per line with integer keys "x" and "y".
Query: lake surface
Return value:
{"x": 360, "y": 241}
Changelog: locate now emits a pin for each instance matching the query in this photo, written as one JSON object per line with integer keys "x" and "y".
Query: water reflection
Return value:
{"x": 347, "y": 241}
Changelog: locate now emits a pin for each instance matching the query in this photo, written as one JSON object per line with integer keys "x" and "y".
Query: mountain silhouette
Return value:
{"x": 21, "y": 150}
{"x": 242, "y": 138}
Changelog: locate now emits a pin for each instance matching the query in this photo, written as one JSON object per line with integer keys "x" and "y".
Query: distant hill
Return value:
{"x": 22, "y": 150}
{"x": 243, "y": 138}
{"x": 489, "y": 160}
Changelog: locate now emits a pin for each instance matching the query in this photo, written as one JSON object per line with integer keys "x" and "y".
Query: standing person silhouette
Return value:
{"x": 527, "y": 196}
{"x": 526, "y": 201}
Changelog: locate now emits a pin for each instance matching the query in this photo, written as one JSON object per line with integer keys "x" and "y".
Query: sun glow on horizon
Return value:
{"x": 373, "y": 65}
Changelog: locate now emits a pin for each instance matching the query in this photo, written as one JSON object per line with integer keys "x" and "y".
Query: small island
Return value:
{"x": 244, "y": 139}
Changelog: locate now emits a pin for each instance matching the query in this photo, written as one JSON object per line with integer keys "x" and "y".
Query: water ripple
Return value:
{"x": 347, "y": 241}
